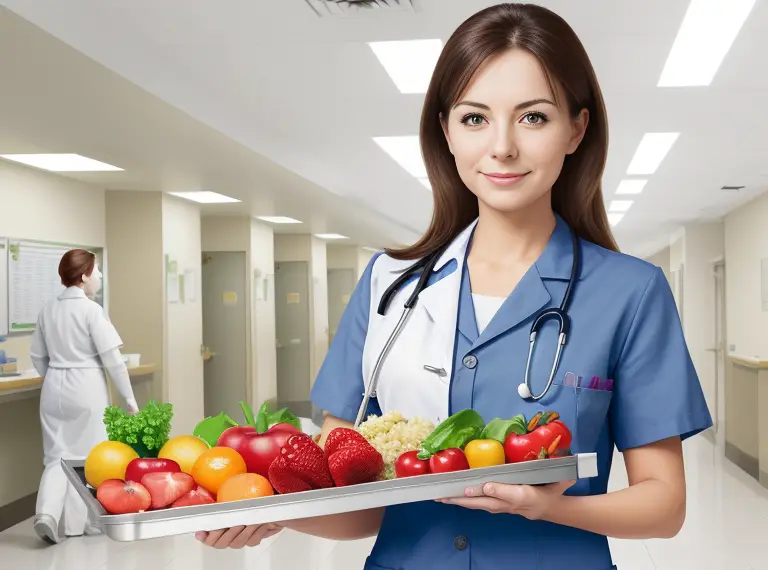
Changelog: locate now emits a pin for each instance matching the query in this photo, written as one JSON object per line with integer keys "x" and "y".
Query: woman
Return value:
{"x": 514, "y": 138}
{"x": 72, "y": 344}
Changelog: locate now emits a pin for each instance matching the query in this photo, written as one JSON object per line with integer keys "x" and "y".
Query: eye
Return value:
{"x": 534, "y": 118}
{"x": 473, "y": 120}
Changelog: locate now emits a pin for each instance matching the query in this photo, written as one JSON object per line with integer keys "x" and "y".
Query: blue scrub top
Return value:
{"x": 625, "y": 328}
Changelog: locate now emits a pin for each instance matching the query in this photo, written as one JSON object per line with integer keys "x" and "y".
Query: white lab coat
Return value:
{"x": 72, "y": 331}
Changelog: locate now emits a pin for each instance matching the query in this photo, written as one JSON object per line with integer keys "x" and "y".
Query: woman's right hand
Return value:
{"x": 239, "y": 536}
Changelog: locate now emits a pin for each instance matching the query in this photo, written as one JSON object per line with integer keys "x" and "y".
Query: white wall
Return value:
{"x": 38, "y": 205}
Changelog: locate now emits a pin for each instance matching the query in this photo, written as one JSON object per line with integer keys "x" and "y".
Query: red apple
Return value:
{"x": 233, "y": 437}
{"x": 120, "y": 498}
{"x": 142, "y": 465}
{"x": 258, "y": 449}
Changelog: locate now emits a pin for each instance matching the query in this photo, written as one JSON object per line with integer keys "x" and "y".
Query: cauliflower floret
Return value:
{"x": 392, "y": 435}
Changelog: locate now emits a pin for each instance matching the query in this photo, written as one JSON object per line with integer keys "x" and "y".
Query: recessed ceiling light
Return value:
{"x": 278, "y": 220}
{"x": 631, "y": 186}
{"x": 331, "y": 236}
{"x": 205, "y": 197}
{"x": 620, "y": 205}
{"x": 406, "y": 151}
{"x": 62, "y": 162}
{"x": 651, "y": 152}
{"x": 409, "y": 63}
{"x": 705, "y": 37}
{"x": 425, "y": 182}
{"x": 615, "y": 217}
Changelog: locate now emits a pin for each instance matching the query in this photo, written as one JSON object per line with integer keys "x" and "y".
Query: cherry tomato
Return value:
{"x": 484, "y": 453}
{"x": 120, "y": 498}
{"x": 448, "y": 460}
{"x": 408, "y": 465}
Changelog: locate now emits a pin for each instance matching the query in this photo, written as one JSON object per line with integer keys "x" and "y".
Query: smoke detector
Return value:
{"x": 348, "y": 8}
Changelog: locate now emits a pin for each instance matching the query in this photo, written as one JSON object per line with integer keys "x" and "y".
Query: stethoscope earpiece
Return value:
{"x": 524, "y": 391}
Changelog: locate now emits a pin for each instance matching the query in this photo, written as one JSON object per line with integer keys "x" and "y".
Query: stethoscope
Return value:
{"x": 426, "y": 267}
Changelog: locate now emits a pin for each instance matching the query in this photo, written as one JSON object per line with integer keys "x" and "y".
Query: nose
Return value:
{"x": 502, "y": 143}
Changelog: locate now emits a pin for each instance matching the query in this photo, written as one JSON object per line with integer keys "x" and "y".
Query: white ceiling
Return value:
{"x": 309, "y": 94}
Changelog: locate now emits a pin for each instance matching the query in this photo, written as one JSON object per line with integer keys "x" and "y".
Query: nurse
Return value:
{"x": 72, "y": 345}
{"x": 514, "y": 137}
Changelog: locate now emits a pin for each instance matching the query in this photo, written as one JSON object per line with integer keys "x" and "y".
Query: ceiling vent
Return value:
{"x": 732, "y": 188}
{"x": 352, "y": 8}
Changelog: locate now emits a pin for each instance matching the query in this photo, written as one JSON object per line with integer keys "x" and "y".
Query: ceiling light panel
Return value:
{"x": 620, "y": 205}
{"x": 704, "y": 39}
{"x": 635, "y": 186}
{"x": 615, "y": 217}
{"x": 64, "y": 162}
{"x": 409, "y": 63}
{"x": 331, "y": 236}
{"x": 651, "y": 153}
{"x": 406, "y": 152}
{"x": 205, "y": 197}
{"x": 278, "y": 220}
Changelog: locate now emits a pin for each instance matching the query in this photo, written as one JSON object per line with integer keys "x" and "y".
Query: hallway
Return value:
{"x": 725, "y": 529}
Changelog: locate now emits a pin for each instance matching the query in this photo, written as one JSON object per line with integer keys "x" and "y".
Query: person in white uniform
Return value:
{"x": 73, "y": 344}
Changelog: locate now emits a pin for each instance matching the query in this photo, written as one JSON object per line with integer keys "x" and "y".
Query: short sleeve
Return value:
{"x": 657, "y": 393}
{"x": 103, "y": 332}
{"x": 339, "y": 386}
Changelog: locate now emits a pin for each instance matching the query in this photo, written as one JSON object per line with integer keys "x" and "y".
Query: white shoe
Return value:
{"x": 47, "y": 529}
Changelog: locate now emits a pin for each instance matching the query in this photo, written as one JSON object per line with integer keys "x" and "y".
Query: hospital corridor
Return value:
{"x": 384, "y": 285}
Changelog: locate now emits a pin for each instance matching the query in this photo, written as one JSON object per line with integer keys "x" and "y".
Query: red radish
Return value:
{"x": 448, "y": 460}
{"x": 167, "y": 488}
{"x": 408, "y": 465}
{"x": 121, "y": 498}
{"x": 142, "y": 465}
{"x": 258, "y": 449}
{"x": 195, "y": 497}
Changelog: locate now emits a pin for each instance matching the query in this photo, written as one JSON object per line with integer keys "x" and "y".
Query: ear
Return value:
{"x": 444, "y": 125}
{"x": 579, "y": 129}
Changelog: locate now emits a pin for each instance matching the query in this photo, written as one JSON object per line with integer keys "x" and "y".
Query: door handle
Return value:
{"x": 207, "y": 353}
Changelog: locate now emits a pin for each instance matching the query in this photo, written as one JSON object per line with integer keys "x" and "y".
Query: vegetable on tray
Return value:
{"x": 146, "y": 432}
{"x": 392, "y": 435}
{"x": 455, "y": 432}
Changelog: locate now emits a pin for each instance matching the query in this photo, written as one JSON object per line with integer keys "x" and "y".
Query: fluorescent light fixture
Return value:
{"x": 615, "y": 217}
{"x": 409, "y": 63}
{"x": 205, "y": 197}
{"x": 373, "y": 249}
{"x": 705, "y": 37}
{"x": 620, "y": 205}
{"x": 61, "y": 162}
{"x": 278, "y": 220}
{"x": 651, "y": 152}
{"x": 406, "y": 151}
{"x": 631, "y": 186}
{"x": 331, "y": 236}
{"x": 425, "y": 183}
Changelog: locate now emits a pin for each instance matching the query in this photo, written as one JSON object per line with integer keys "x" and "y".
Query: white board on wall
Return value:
{"x": 3, "y": 286}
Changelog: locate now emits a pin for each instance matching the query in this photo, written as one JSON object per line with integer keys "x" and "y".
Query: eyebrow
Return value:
{"x": 519, "y": 107}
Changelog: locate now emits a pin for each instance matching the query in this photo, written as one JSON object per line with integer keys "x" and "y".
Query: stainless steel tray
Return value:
{"x": 280, "y": 508}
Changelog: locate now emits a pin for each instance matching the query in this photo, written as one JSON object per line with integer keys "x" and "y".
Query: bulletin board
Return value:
{"x": 3, "y": 286}
{"x": 32, "y": 279}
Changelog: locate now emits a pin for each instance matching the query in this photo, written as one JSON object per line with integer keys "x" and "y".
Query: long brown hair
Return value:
{"x": 577, "y": 194}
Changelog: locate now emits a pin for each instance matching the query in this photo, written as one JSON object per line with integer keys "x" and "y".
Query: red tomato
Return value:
{"x": 448, "y": 460}
{"x": 121, "y": 498}
{"x": 258, "y": 449}
{"x": 519, "y": 448}
{"x": 167, "y": 488}
{"x": 195, "y": 497}
{"x": 548, "y": 433}
{"x": 408, "y": 465}
{"x": 142, "y": 465}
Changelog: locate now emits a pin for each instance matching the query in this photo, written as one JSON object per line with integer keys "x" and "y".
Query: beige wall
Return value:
{"x": 661, "y": 259}
{"x": 51, "y": 208}
{"x": 348, "y": 257}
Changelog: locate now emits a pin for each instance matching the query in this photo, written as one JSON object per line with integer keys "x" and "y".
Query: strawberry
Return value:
{"x": 167, "y": 488}
{"x": 351, "y": 459}
{"x": 301, "y": 466}
{"x": 195, "y": 497}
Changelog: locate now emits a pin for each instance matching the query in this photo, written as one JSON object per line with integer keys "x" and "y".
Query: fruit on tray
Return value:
{"x": 108, "y": 460}
{"x": 448, "y": 460}
{"x": 499, "y": 429}
{"x": 484, "y": 453}
{"x": 301, "y": 466}
{"x": 409, "y": 465}
{"x": 195, "y": 497}
{"x": 142, "y": 465}
{"x": 184, "y": 450}
{"x": 351, "y": 459}
{"x": 167, "y": 488}
{"x": 244, "y": 486}
{"x": 215, "y": 466}
{"x": 146, "y": 432}
{"x": 546, "y": 436}
{"x": 392, "y": 435}
{"x": 121, "y": 498}
{"x": 454, "y": 432}
{"x": 211, "y": 429}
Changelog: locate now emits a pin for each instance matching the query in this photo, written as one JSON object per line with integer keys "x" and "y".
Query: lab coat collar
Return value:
{"x": 72, "y": 293}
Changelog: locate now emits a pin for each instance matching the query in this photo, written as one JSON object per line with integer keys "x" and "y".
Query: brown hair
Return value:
{"x": 577, "y": 194}
{"x": 74, "y": 264}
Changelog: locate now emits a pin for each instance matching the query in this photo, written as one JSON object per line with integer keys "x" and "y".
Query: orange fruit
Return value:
{"x": 215, "y": 466}
{"x": 244, "y": 486}
{"x": 184, "y": 450}
{"x": 108, "y": 460}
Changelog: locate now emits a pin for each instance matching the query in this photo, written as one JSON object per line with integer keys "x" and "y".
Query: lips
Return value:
{"x": 504, "y": 178}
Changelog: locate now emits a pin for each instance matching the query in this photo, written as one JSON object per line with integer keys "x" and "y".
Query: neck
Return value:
{"x": 513, "y": 237}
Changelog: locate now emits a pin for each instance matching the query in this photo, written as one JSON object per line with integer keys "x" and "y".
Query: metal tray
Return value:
{"x": 280, "y": 508}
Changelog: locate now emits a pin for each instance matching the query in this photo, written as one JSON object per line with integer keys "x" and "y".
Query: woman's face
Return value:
{"x": 508, "y": 137}
{"x": 92, "y": 283}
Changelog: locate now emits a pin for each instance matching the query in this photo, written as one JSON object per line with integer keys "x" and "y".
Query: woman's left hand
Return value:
{"x": 525, "y": 500}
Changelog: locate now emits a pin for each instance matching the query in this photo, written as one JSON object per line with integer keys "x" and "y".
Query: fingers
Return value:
{"x": 489, "y": 504}
{"x": 249, "y": 536}
{"x": 238, "y": 537}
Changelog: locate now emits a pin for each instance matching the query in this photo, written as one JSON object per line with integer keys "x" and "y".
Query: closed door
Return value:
{"x": 292, "y": 328}
{"x": 225, "y": 321}
{"x": 341, "y": 283}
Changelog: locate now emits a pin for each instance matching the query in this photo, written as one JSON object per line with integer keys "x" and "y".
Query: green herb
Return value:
{"x": 146, "y": 432}
{"x": 456, "y": 431}
{"x": 499, "y": 429}
{"x": 267, "y": 418}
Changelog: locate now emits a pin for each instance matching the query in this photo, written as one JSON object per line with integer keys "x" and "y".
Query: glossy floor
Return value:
{"x": 727, "y": 528}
